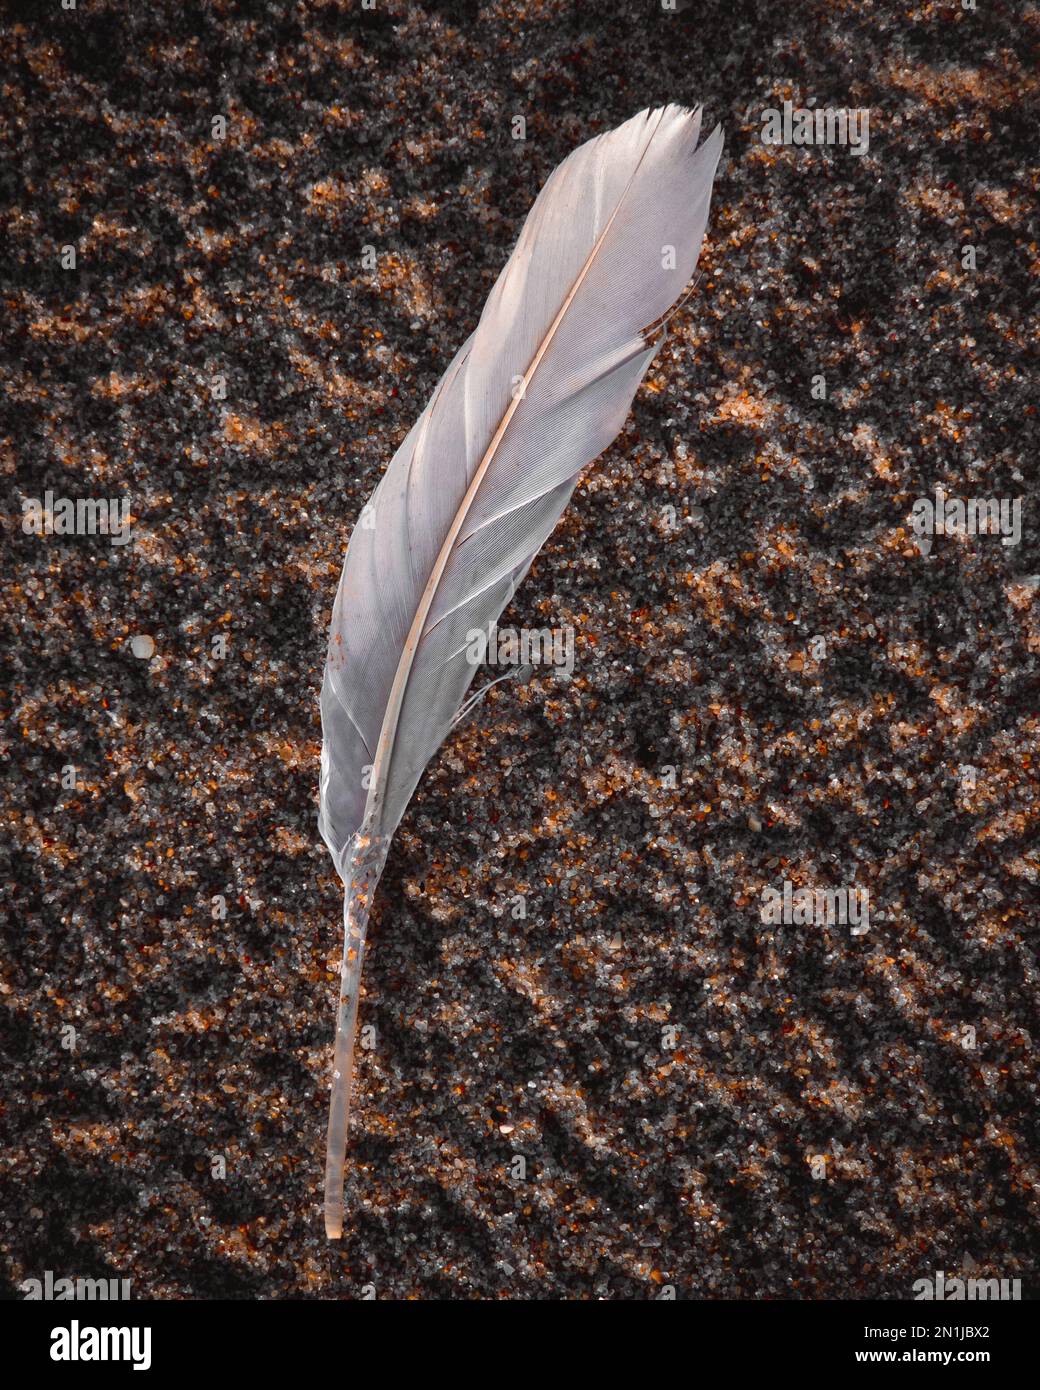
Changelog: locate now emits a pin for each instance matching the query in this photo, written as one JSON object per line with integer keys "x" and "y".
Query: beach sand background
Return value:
{"x": 702, "y": 1101}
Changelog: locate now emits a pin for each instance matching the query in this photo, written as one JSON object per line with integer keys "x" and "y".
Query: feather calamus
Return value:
{"x": 541, "y": 387}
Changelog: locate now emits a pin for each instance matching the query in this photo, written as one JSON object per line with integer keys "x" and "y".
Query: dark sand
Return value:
{"x": 196, "y": 1039}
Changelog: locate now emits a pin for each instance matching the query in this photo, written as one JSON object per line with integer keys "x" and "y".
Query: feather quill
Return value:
{"x": 541, "y": 387}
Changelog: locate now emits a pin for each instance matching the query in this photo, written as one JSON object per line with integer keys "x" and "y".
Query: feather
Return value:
{"x": 541, "y": 387}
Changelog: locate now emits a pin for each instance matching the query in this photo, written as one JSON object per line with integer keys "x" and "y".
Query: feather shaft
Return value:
{"x": 366, "y": 860}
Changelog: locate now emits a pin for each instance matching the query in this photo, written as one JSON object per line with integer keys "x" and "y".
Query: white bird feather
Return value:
{"x": 541, "y": 388}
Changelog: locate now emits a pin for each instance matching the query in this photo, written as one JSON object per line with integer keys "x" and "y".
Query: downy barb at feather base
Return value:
{"x": 539, "y": 390}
